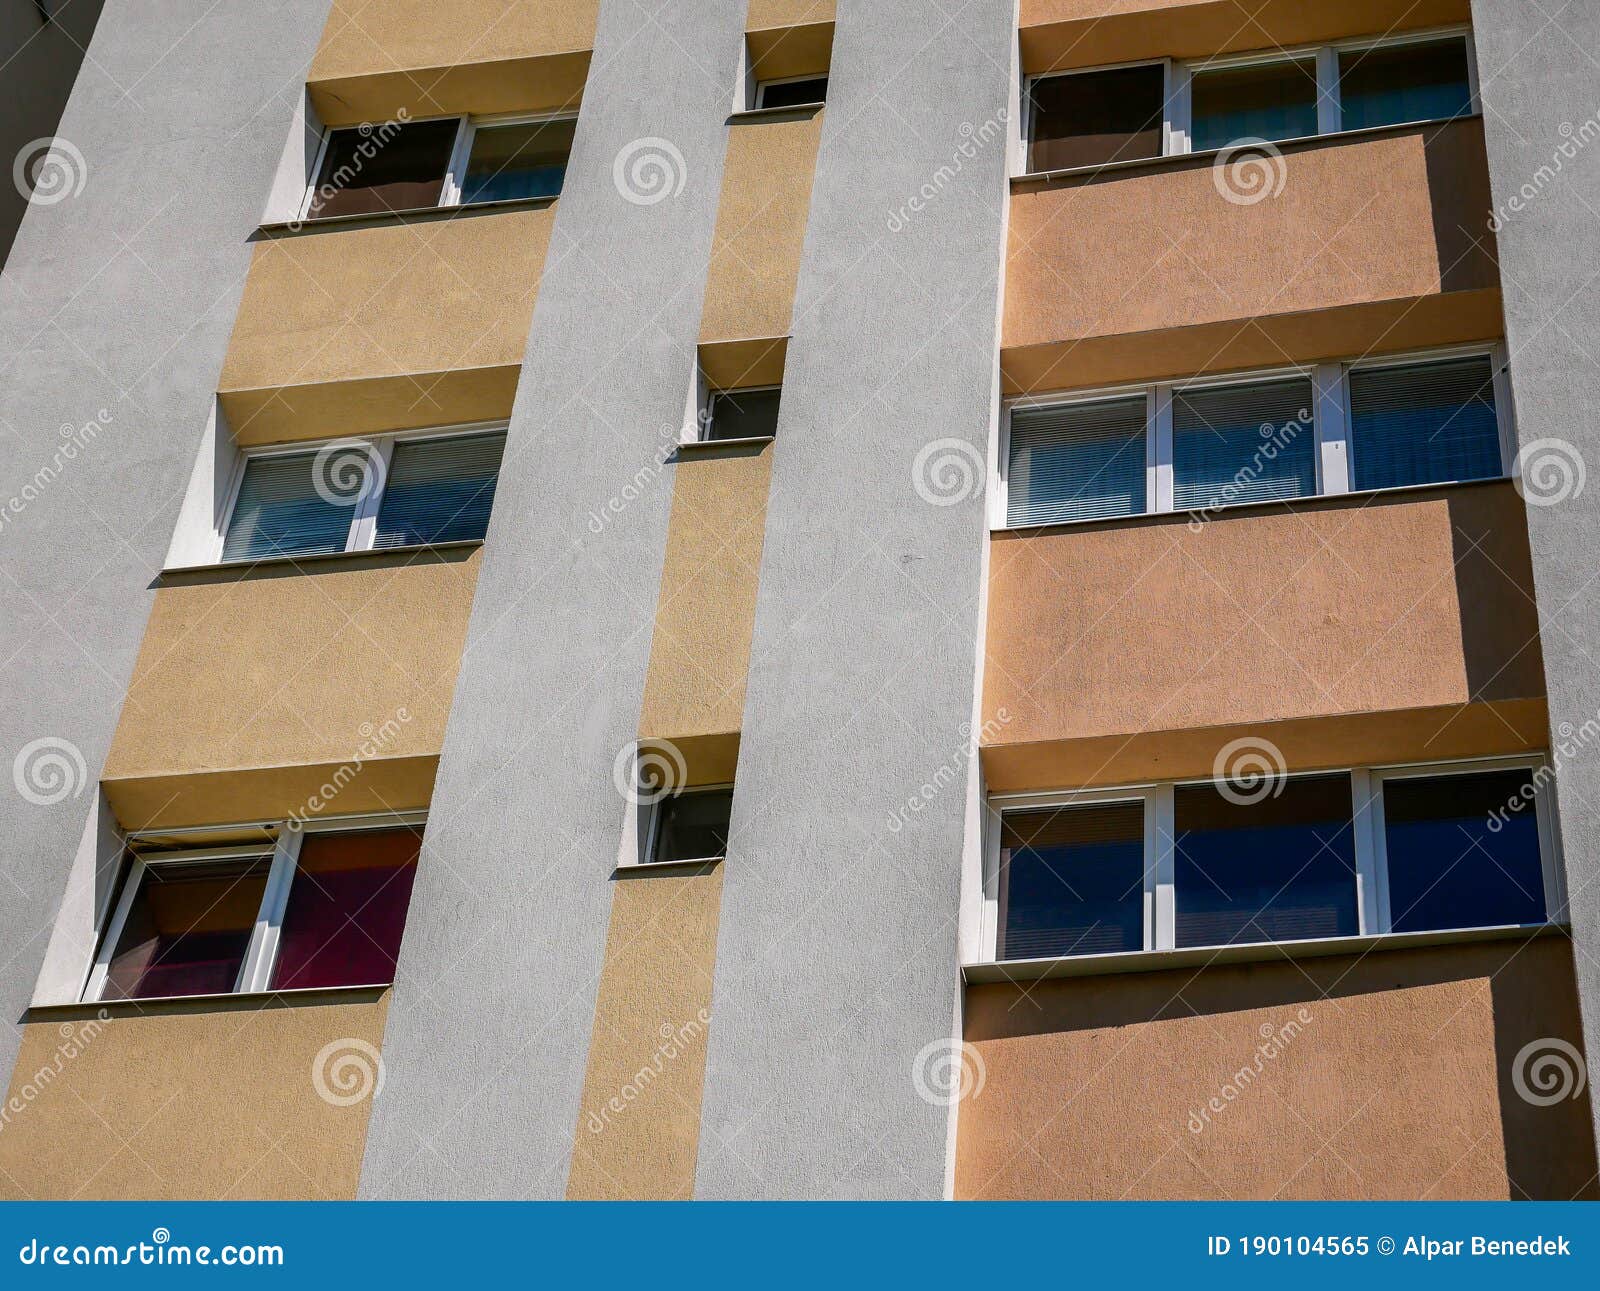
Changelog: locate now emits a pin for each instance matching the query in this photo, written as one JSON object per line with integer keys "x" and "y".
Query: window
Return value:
{"x": 1272, "y": 100}
{"x": 318, "y": 909}
{"x": 1201, "y": 446}
{"x": 1092, "y": 118}
{"x": 392, "y": 167}
{"x": 1463, "y": 851}
{"x": 1132, "y": 113}
{"x": 691, "y": 826}
{"x": 743, "y": 414}
{"x": 451, "y": 161}
{"x": 1424, "y": 423}
{"x": 792, "y": 92}
{"x": 1291, "y": 858}
{"x": 1078, "y": 462}
{"x": 356, "y": 495}
{"x": 1411, "y": 81}
{"x": 1279, "y": 867}
{"x": 1072, "y": 881}
{"x": 1242, "y": 443}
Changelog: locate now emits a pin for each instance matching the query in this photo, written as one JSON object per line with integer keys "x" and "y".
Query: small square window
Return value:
{"x": 692, "y": 826}
{"x": 1394, "y": 84}
{"x": 1463, "y": 851}
{"x": 294, "y": 505}
{"x": 1077, "y": 462}
{"x": 1242, "y": 443}
{"x": 792, "y": 92}
{"x": 391, "y": 167}
{"x": 524, "y": 160}
{"x": 439, "y": 490}
{"x": 1072, "y": 881}
{"x": 743, "y": 414}
{"x": 1278, "y": 867}
{"x": 1424, "y": 423}
{"x": 1094, "y": 118}
{"x": 1276, "y": 100}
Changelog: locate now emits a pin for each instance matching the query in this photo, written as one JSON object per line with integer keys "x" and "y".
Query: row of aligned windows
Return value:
{"x": 1145, "y": 110}
{"x": 1294, "y": 858}
{"x": 1202, "y": 445}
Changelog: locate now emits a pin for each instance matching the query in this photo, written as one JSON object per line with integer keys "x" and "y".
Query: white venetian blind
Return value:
{"x": 1078, "y": 462}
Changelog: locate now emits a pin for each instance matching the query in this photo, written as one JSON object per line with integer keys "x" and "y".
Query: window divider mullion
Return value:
{"x": 1178, "y": 109}
{"x": 1365, "y": 791}
{"x": 1160, "y": 869}
{"x": 94, "y": 987}
{"x": 1330, "y": 418}
{"x": 364, "y": 523}
{"x": 1159, "y": 449}
{"x": 456, "y": 168}
{"x": 1330, "y": 113}
{"x": 262, "y": 956}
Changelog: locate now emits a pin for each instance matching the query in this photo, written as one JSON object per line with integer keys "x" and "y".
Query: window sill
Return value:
{"x": 252, "y": 999}
{"x": 1154, "y": 961}
{"x": 791, "y": 112}
{"x": 412, "y": 215}
{"x": 1230, "y": 510}
{"x": 375, "y": 554}
{"x": 1176, "y": 160}
{"x": 697, "y": 446}
{"x": 638, "y": 869}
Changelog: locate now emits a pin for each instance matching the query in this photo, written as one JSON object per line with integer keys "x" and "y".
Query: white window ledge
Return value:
{"x": 321, "y": 557}
{"x": 693, "y": 446}
{"x": 309, "y": 995}
{"x": 313, "y": 224}
{"x": 790, "y": 110}
{"x": 1152, "y": 961}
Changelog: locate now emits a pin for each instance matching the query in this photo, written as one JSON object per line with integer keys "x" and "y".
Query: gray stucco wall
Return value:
{"x": 1540, "y": 87}
{"x": 116, "y": 307}
{"x": 837, "y": 954}
{"x": 489, "y": 1026}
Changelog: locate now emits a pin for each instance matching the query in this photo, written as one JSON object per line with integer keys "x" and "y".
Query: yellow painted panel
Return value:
{"x": 700, "y": 654}
{"x": 761, "y": 227}
{"x": 190, "y": 1101}
{"x": 363, "y": 37}
{"x": 787, "y": 13}
{"x": 638, "y": 1127}
{"x": 410, "y": 300}
{"x": 273, "y": 668}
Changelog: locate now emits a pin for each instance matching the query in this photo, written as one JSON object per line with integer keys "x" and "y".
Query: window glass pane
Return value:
{"x": 1080, "y": 462}
{"x": 188, "y": 930}
{"x": 693, "y": 826}
{"x": 281, "y": 512}
{"x": 813, "y": 89}
{"x": 387, "y": 167}
{"x": 1424, "y": 423}
{"x": 512, "y": 161}
{"x": 1071, "y": 881}
{"x": 1280, "y": 867}
{"x": 439, "y": 490}
{"x": 742, "y": 414}
{"x": 1250, "y": 443}
{"x": 1390, "y": 86}
{"x": 1267, "y": 101}
{"x": 347, "y": 909}
{"x": 1091, "y": 118}
{"x": 1463, "y": 851}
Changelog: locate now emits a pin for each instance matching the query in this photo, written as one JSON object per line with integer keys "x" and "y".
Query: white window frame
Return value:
{"x": 1177, "y": 136}
{"x": 467, "y": 128}
{"x": 760, "y": 97}
{"x": 1330, "y": 415}
{"x": 1367, "y": 829}
{"x": 364, "y": 512}
{"x": 261, "y": 955}
{"x": 650, "y": 831}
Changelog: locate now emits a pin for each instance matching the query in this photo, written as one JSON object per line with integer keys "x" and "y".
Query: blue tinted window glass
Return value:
{"x": 1463, "y": 851}
{"x": 1267, "y": 101}
{"x": 439, "y": 490}
{"x": 1424, "y": 423}
{"x": 1399, "y": 83}
{"x": 1278, "y": 864}
{"x": 1072, "y": 881}
{"x": 517, "y": 161}
{"x": 1077, "y": 462}
{"x": 281, "y": 511}
{"x": 1244, "y": 443}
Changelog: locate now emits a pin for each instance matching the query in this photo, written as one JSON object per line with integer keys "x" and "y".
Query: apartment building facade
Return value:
{"x": 792, "y": 599}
